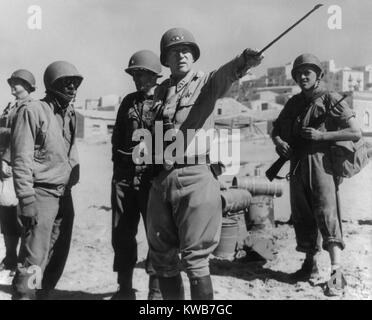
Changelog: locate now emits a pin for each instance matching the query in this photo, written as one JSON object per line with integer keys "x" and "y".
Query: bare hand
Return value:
{"x": 311, "y": 134}
{"x": 283, "y": 149}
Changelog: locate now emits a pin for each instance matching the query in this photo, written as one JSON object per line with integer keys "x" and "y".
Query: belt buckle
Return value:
{"x": 60, "y": 188}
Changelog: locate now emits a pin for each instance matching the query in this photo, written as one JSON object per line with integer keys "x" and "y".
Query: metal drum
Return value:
{"x": 260, "y": 214}
{"x": 228, "y": 240}
{"x": 235, "y": 200}
{"x": 258, "y": 186}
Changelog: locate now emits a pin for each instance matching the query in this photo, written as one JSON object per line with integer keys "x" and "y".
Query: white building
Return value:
{"x": 94, "y": 123}
{"x": 347, "y": 79}
{"x": 361, "y": 103}
{"x": 109, "y": 102}
{"x": 280, "y": 76}
{"x": 367, "y": 75}
{"x": 229, "y": 106}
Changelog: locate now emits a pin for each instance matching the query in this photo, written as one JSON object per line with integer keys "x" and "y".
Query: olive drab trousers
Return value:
{"x": 315, "y": 204}
{"x": 46, "y": 245}
{"x": 184, "y": 216}
{"x": 128, "y": 204}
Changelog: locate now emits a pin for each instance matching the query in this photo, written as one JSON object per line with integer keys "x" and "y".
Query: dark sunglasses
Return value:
{"x": 68, "y": 81}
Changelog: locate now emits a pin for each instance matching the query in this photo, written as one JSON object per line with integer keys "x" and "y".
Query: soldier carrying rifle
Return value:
{"x": 302, "y": 133}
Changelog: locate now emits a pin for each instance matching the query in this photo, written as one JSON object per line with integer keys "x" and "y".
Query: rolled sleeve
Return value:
{"x": 343, "y": 114}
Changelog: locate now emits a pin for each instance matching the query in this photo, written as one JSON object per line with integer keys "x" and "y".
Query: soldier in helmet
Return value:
{"x": 302, "y": 133}
{"x": 22, "y": 84}
{"x": 45, "y": 167}
{"x": 131, "y": 182}
{"x": 185, "y": 202}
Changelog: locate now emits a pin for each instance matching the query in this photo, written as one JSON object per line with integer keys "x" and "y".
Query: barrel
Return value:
{"x": 229, "y": 237}
{"x": 260, "y": 214}
{"x": 258, "y": 171}
{"x": 235, "y": 200}
{"x": 258, "y": 186}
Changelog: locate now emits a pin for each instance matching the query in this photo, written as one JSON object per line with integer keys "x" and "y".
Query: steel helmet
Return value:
{"x": 175, "y": 37}
{"x": 307, "y": 59}
{"x": 24, "y": 75}
{"x": 58, "y": 70}
{"x": 145, "y": 60}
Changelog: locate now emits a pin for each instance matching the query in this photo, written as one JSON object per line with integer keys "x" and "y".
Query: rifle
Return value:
{"x": 272, "y": 172}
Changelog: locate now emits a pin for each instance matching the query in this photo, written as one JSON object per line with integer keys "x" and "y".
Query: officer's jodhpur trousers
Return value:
{"x": 46, "y": 245}
{"x": 184, "y": 216}
{"x": 127, "y": 206}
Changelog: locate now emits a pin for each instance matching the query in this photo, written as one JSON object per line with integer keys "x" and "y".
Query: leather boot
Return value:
{"x": 125, "y": 290}
{"x": 154, "y": 289}
{"x": 309, "y": 272}
{"x": 172, "y": 288}
{"x": 201, "y": 288}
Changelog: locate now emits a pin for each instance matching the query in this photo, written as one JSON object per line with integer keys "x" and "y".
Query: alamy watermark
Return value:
{"x": 34, "y": 21}
{"x": 172, "y": 146}
{"x": 335, "y": 19}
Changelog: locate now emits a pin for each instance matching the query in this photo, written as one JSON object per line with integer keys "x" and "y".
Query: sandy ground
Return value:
{"x": 89, "y": 276}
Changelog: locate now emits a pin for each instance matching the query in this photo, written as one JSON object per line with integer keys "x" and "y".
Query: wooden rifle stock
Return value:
{"x": 272, "y": 172}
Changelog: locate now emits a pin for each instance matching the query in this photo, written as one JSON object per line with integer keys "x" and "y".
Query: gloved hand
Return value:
{"x": 28, "y": 213}
{"x": 251, "y": 57}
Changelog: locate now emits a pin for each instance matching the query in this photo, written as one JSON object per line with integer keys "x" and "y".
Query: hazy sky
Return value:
{"x": 99, "y": 36}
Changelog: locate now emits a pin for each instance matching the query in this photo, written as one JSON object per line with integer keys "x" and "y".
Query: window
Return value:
{"x": 366, "y": 119}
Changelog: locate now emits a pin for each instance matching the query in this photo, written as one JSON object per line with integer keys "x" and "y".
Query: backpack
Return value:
{"x": 347, "y": 157}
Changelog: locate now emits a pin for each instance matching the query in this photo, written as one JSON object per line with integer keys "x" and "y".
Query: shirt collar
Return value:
{"x": 57, "y": 108}
{"x": 182, "y": 83}
{"x": 317, "y": 92}
{"x": 23, "y": 101}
